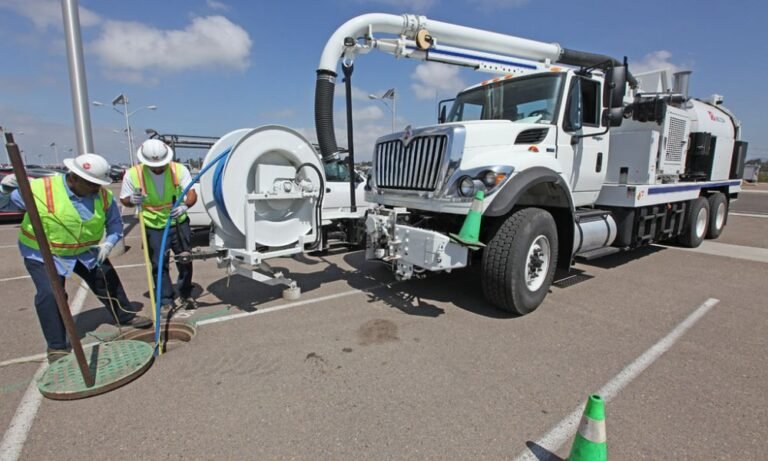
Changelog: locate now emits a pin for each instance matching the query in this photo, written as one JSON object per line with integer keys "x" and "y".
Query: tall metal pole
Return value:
{"x": 350, "y": 136}
{"x": 45, "y": 251}
{"x": 77, "y": 81}
{"x": 128, "y": 129}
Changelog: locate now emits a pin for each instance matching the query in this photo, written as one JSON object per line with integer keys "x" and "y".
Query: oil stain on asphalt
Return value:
{"x": 377, "y": 331}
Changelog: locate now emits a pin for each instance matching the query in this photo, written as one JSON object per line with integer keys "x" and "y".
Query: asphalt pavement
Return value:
{"x": 362, "y": 367}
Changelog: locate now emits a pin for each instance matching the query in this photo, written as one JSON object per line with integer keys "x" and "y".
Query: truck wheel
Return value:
{"x": 519, "y": 261}
{"x": 696, "y": 223}
{"x": 718, "y": 211}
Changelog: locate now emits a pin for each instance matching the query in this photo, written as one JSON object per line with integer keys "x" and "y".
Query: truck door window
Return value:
{"x": 590, "y": 100}
{"x": 337, "y": 171}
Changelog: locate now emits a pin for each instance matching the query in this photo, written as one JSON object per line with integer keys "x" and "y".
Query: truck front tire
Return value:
{"x": 519, "y": 261}
{"x": 696, "y": 223}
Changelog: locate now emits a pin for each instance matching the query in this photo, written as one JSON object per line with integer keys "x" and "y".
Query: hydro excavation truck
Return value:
{"x": 576, "y": 157}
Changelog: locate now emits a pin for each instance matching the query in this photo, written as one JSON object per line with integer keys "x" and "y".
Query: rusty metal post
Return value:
{"x": 45, "y": 251}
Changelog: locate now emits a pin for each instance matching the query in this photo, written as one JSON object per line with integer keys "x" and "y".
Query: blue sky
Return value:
{"x": 215, "y": 66}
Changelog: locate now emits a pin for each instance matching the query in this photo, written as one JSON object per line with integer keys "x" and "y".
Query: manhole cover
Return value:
{"x": 172, "y": 334}
{"x": 114, "y": 364}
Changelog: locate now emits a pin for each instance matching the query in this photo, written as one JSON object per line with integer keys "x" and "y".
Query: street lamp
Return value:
{"x": 389, "y": 94}
{"x": 123, "y": 99}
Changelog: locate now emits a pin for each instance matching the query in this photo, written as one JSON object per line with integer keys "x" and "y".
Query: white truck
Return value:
{"x": 576, "y": 158}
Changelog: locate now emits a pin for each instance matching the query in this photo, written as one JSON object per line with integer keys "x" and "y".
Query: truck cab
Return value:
{"x": 551, "y": 121}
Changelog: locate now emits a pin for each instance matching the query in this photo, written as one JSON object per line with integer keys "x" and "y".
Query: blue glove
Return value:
{"x": 179, "y": 210}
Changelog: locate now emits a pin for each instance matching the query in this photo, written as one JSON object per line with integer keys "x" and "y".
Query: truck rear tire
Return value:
{"x": 718, "y": 213}
{"x": 696, "y": 223}
{"x": 519, "y": 261}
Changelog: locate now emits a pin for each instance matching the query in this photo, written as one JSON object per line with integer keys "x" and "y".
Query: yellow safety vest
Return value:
{"x": 67, "y": 233}
{"x": 156, "y": 210}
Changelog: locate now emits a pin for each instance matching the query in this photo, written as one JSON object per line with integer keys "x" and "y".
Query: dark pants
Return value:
{"x": 179, "y": 240}
{"x": 103, "y": 282}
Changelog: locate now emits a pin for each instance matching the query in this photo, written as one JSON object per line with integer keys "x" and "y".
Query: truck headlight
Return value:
{"x": 492, "y": 178}
{"x": 467, "y": 186}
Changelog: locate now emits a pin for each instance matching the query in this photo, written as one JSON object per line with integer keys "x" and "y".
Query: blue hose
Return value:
{"x": 159, "y": 282}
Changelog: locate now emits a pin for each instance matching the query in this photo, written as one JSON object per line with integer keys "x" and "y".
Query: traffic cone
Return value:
{"x": 469, "y": 235}
{"x": 590, "y": 442}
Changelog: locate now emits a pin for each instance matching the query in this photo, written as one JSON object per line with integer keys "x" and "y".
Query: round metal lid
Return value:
{"x": 114, "y": 364}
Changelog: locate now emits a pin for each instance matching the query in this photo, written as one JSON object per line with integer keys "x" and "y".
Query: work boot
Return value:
{"x": 165, "y": 309}
{"x": 189, "y": 303}
{"x": 56, "y": 354}
{"x": 138, "y": 321}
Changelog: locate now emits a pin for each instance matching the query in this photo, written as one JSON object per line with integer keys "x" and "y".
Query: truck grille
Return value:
{"x": 412, "y": 167}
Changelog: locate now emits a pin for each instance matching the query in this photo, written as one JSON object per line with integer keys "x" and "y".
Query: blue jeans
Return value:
{"x": 179, "y": 240}
{"x": 103, "y": 282}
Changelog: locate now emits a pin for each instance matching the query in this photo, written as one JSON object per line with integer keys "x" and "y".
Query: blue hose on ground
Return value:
{"x": 159, "y": 282}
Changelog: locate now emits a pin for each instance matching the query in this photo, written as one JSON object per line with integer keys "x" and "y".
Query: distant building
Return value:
{"x": 751, "y": 172}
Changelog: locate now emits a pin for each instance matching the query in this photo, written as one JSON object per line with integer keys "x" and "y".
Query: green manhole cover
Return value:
{"x": 114, "y": 364}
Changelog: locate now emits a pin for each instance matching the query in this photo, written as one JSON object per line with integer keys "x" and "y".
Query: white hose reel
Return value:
{"x": 263, "y": 197}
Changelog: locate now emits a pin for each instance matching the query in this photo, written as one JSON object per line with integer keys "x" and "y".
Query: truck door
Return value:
{"x": 587, "y": 149}
{"x": 336, "y": 200}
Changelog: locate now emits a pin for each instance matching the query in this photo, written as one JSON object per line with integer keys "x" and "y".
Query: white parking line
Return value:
{"x": 561, "y": 433}
{"x": 754, "y": 191}
{"x": 749, "y": 215}
{"x": 267, "y": 310}
{"x": 729, "y": 251}
{"x": 126, "y": 266}
{"x": 18, "y": 430}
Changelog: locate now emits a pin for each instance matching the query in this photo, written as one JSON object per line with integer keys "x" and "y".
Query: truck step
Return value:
{"x": 598, "y": 253}
{"x": 585, "y": 213}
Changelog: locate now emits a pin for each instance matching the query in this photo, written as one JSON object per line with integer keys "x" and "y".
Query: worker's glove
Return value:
{"x": 179, "y": 210}
{"x": 104, "y": 249}
{"x": 136, "y": 198}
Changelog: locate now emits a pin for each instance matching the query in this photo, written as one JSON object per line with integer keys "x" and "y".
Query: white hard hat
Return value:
{"x": 91, "y": 167}
{"x": 154, "y": 153}
{"x": 9, "y": 183}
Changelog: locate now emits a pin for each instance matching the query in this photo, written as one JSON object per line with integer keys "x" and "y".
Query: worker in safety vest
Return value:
{"x": 153, "y": 185}
{"x": 75, "y": 211}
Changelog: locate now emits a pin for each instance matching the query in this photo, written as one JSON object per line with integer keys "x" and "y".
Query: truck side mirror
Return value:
{"x": 615, "y": 87}
{"x": 573, "y": 112}
{"x": 613, "y": 117}
{"x": 442, "y": 110}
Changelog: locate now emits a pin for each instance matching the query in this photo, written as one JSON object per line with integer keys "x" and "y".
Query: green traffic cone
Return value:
{"x": 590, "y": 441}
{"x": 469, "y": 235}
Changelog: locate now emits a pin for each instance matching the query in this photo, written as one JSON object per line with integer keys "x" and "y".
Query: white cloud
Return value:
{"x": 432, "y": 77}
{"x": 656, "y": 60}
{"x": 214, "y": 5}
{"x": 366, "y": 114}
{"x": 47, "y": 13}
{"x": 358, "y": 94}
{"x": 212, "y": 42}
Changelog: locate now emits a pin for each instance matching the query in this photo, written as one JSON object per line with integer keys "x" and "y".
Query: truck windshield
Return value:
{"x": 526, "y": 100}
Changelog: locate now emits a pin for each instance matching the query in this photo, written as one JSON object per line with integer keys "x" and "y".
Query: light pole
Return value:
{"x": 123, "y": 99}
{"x": 389, "y": 94}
